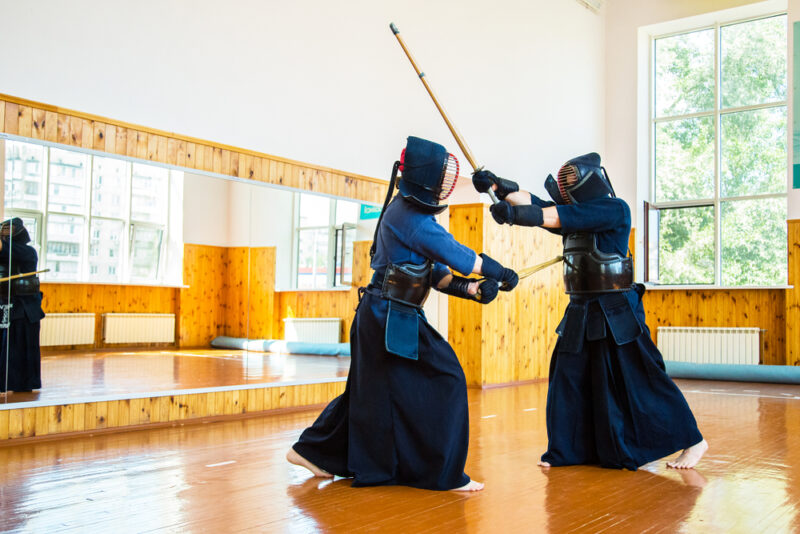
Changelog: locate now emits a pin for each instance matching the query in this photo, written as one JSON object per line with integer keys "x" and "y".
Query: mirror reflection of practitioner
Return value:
{"x": 20, "y": 342}
{"x": 403, "y": 417}
{"x": 610, "y": 400}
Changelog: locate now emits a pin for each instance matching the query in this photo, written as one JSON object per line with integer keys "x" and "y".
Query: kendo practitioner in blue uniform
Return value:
{"x": 20, "y": 341}
{"x": 403, "y": 417}
{"x": 609, "y": 401}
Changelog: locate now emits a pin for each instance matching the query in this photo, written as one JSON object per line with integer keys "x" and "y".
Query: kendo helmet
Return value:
{"x": 15, "y": 229}
{"x": 579, "y": 180}
{"x": 429, "y": 174}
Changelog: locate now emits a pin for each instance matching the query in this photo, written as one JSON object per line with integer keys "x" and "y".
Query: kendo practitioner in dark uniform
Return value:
{"x": 403, "y": 417}
{"x": 20, "y": 341}
{"x": 610, "y": 401}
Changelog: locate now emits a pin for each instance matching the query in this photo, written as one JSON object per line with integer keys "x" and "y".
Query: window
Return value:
{"x": 104, "y": 219}
{"x": 717, "y": 206}
{"x": 325, "y": 229}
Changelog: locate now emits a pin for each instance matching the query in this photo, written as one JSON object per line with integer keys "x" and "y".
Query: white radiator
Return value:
{"x": 67, "y": 329}
{"x": 312, "y": 330}
{"x": 138, "y": 328}
{"x": 710, "y": 345}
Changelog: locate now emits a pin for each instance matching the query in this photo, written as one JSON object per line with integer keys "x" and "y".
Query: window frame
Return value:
{"x": 650, "y": 204}
{"x": 332, "y": 281}
{"x": 124, "y": 266}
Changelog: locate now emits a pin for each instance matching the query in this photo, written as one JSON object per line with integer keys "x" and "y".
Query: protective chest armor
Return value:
{"x": 589, "y": 270}
{"x": 407, "y": 283}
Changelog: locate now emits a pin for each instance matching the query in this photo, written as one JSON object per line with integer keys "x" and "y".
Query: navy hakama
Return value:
{"x": 610, "y": 401}
{"x": 400, "y": 420}
{"x": 20, "y": 342}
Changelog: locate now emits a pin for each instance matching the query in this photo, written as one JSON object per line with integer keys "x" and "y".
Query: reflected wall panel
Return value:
{"x": 340, "y": 303}
{"x": 262, "y": 293}
{"x": 202, "y": 307}
{"x": 100, "y": 299}
{"x": 75, "y": 128}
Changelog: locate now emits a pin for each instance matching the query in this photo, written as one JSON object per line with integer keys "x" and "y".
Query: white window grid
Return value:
{"x": 332, "y": 281}
{"x": 716, "y": 114}
{"x": 128, "y": 224}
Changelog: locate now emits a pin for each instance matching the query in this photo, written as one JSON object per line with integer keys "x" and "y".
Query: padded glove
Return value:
{"x": 483, "y": 181}
{"x": 527, "y": 215}
{"x": 506, "y": 277}
{"x": 459, "y": 287}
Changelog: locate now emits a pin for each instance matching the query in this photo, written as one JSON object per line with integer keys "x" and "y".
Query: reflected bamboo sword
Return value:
{"x": 23, "y": 275}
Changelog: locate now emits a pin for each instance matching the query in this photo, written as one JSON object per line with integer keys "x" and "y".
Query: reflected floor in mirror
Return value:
{"x": 232, "y": 477}
{"x": 74, "y": 375}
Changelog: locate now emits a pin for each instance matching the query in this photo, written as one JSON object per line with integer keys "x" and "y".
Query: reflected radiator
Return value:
{"x": 710, "y": 345}
{"x": 67, "y": 329}
{"x": 138, "y": 328}
{"x": 312, "y": 330}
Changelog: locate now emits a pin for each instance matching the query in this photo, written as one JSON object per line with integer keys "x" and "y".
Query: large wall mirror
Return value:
{"x": 220, "y": 257}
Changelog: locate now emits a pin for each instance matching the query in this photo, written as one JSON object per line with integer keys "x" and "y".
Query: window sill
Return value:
{"x": 310, "y": 290}
{"x": 135, "y": 284}
{"x": 657, "y": 287}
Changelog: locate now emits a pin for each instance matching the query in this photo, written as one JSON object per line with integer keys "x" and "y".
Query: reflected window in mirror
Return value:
{"x": 94, "y": 218}
{"x": 325, "y": 229}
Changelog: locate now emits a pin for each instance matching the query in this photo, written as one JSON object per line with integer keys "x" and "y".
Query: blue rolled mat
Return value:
{"x": 282, "y": 347}
{"x": 780, "y": 374}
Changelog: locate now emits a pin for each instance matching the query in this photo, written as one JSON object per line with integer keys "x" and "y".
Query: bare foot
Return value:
{"x": 542, "y": 463}
{"x": 296, "y": 459}
{"x": 472, "y": 485}
{"x": 689, "y": 457}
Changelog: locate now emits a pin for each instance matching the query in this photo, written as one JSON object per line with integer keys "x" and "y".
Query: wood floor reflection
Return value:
{"x": 231, "y": 477}
{"x": 73, "y": 375}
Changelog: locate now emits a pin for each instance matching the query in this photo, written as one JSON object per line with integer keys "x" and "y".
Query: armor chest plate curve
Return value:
{"x": 588, "y": 270}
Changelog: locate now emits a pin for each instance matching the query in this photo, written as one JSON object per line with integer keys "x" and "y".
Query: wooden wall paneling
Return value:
{"x": 87, "y": 134}
{"x": 201, "y": 314}
{"x": 62, "y": 128}
{"x": 99, "y": 136}
{"x": 510, "y": 339}
{"x": 3, "y": 104}
{"x": 12, "y": 118}
{"x": 75, "y": 134}
{"x": 792, "y": 296}
{"x": 51, "y": 126}
{"x": 464, "y": 317}
{"x": 190, "y": 158}
{"x": 762, "y": 308}
{"x": 152, "y": 147}
{"x": 100, "y": 299}
{"x": 262, "y": 292}
{"x": 172, "y": 151}
{"x": 120, "y": 143}
{"x": 216, "y": 159}
{"x": 235, "y": 290}
{"x": 4, "y": 417}
{"x": 25, "y": 125}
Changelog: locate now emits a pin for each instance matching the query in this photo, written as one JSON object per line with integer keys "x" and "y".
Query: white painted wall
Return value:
{"x": 324, "y": 82}
{"x": 205, "y": 210}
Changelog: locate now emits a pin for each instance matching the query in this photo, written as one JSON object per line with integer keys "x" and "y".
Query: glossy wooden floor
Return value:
{"x": 231, "y": 477}
{"x": 69, "y": 376}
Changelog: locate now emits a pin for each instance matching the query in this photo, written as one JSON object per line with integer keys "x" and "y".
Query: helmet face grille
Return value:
{"x": 449, "y": 177}
{"x": 567, "y": 177}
